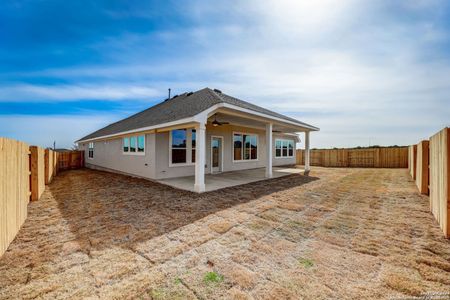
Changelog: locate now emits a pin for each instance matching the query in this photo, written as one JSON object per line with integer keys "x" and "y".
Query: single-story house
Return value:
{"x": 196, "y": 133}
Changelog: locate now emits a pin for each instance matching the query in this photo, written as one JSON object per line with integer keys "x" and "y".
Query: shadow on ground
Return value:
{"x": 105, "y": 210}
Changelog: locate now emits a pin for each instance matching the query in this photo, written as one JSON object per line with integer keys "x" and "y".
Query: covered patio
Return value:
{"x": 228, "y": 117}
{"x": 228, "y": 179}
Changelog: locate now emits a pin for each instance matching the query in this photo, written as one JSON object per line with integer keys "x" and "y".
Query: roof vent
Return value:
{"x": 188, "y": 94}
{"x": 218, "y": 91}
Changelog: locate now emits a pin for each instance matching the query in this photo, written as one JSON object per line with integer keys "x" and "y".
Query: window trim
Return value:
{"x": 281, "y": 152}
{"x": 136, "y": 146}
{"x": 243, "y": 142}
{"x": 188, "y": 148}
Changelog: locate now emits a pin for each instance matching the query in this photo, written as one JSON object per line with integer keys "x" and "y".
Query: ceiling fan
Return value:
{"x": 217, "y": 123}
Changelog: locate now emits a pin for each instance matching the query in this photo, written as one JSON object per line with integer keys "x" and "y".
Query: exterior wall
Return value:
{"x": 108, "y": 154}
{"x": 226, "y": 131}
{"x": 283, "y": 161}
{"x": 163, "y": 170}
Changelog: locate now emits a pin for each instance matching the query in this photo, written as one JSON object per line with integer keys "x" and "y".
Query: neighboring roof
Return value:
{"x": 180, "y": 107}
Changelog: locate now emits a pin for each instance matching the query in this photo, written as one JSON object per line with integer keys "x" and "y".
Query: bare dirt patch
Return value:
{"x": 340, "y": 233}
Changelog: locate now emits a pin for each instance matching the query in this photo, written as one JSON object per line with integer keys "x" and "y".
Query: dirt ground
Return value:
{"x": 340, "y": 233}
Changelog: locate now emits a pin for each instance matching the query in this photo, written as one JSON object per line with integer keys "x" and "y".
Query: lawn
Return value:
{"x": 340, "y": 233}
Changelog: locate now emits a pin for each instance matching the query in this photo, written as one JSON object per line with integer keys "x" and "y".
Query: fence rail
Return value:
{"x": 392, "y": 157}
{"x": 24, "y": 172}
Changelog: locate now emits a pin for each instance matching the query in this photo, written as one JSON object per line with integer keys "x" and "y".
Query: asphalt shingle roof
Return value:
{"x": 183, "y": 106}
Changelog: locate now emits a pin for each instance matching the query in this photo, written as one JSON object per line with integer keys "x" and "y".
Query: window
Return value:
{"x": 182, "y": 146}
{"x": 179, "y": 146}
{"x": 245, "y": 147}
{"x": 134, "y": 145}
{"x": 278, "y": 146}
{"x": 284, "y": 148}
{"x": 141, "y": 143}
{"x": 126, "y": 144}
{"x": 237, "y": 139}
{"x": 91, "y": 150}
{"x": 291, "y": 148}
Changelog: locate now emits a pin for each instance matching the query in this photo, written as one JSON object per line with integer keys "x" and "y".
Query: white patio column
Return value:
{"x": 269, "y": 150}
{"x": 307, "y": 167}
{"x": 200, "y": 149}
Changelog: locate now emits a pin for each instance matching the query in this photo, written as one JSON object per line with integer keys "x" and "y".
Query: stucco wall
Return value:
{"x": 282, "y": 161}
{"x": 163, "y": 170}
{"x": 226, "y": 132}
{"x": 108, "y": 154}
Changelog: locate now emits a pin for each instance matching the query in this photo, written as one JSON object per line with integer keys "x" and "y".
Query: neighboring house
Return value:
{"x": 196, "y": 133}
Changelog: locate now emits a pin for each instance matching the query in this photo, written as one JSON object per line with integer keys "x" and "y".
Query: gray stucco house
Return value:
{"x": 196, "y": 133}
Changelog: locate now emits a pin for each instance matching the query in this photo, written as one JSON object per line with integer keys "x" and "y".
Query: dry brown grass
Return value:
{"x": 236, "y": 294}
{"x": 221, "y": 226}
{"x": 341, "y": 233}
{"x": 290, "y": 205}
{"x": 240, "y": 276}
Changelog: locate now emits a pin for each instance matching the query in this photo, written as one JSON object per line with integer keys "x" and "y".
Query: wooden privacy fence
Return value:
{"x": 24, "y": 172}
{"x": 51, "y": 165}
{"x": 439, "y": 179}
{"x": 14, "y": 189}
{"x": 392, "y": 157}
{"x": 70, "y": 160}
{"x": 430, "y": 166}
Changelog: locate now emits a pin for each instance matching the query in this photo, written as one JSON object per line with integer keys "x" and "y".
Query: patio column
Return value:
{"x": 269, "y": 150}
{"x": 307, "y": 157}
{"x": 200, "y": 149}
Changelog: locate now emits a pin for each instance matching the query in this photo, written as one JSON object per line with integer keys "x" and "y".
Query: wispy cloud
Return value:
{"x": 359, "y": 70}
{"x": 44, "y": 130}
{"x": 62, "y": 92}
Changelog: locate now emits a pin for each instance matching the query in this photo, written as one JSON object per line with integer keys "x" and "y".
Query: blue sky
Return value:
{"x": 365, "y": 72}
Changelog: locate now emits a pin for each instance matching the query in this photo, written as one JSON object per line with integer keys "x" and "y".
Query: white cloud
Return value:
{"x": 356, "y": 69}
{"x": 113, "y": 92}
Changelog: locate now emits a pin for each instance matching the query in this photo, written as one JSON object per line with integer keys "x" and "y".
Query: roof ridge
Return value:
{"x": 218, "y": 95}
{"x": 183, "y": 106}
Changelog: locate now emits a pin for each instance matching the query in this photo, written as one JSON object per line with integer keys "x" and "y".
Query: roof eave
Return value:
{"x": 202, "y": 116}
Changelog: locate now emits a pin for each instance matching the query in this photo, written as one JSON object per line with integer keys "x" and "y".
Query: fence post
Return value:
{"x": 47, "y": 166}
{"x": 422, "y": 175}
{"x": 34, "y": 181}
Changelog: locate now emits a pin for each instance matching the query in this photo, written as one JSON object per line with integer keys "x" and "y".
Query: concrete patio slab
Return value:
{"x": 228, "y": 179}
